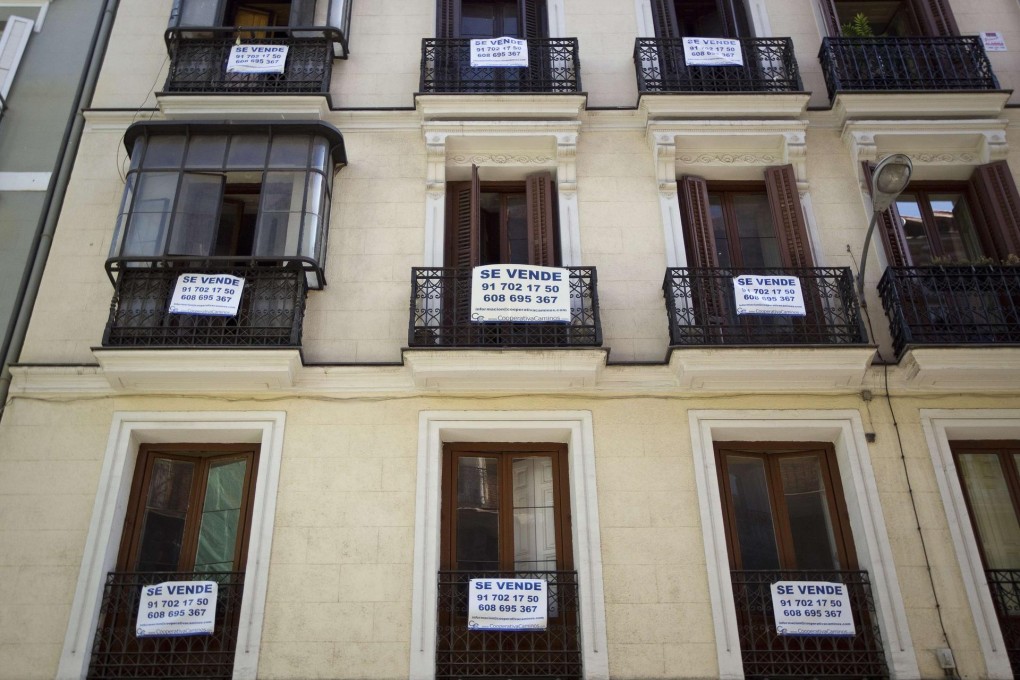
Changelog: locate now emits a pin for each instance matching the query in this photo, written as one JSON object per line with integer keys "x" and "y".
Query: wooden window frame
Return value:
{"x": 506, "y": 452}
{"x": 204, "y": 454}
{"x": 1005, "y": 451}
{"x": 934, "y": 17}
{"x": 771, "y": 453}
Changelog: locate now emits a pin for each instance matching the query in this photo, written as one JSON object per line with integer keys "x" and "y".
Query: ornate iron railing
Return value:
{"x": 553, "y": 67}
{"x": 441, "y": 314}
{"x": 767, "y": 654}
{"x": 118, "y": 653}
{"x": 903, "y": 64}
{"x": 552, "y": 653}
{"x": 1004, "y": 585}
{"x": 702, "y": 309}
{"x": 952, "y": 305}
{"x": 198, "y": 61}
{"x": 270, "y": 314}
{"x": 769, "y": 66}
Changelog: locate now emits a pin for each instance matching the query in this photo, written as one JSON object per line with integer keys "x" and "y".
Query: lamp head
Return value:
{"x": 891, "y": 176}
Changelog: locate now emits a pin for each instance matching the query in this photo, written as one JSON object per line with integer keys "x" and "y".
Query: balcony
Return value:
{"x": 118, "y": 653}
{"x": 553, "y": 68}
{"x": 441, "y": 315}
{"x": 270, "y": 314}
{"x": 198, "y": 61}
{"x": 769, "y": 66}
{"x": 952, "y": 305}
{"x": 702, "y": 310}
{"x": 552, "y": 653}
{"x": 905, "y": 64}
{"x": 767, "y": 654}
{"x": 1004, "y": 585}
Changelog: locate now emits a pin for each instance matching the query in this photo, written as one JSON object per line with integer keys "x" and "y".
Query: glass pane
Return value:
{"x": 196, "y": 218}
{"x": 759, "y": 246}
{"x": 913, "y": 229}
{"x": 517, "y": 229}
{"x": 166, "y": 510}
{"x": 955, "y": 228}
{"x": 164, "y": 151}
{"x": 807, "y": 507}
{"x": 221, "y": 516}
{"x": 992, "y": 509}
{"x": 752, "y": 513}
{"x": 279, "y": 222}
{"x": 247, "y": 151}
{"x": 722, "y": 237}
{"x": 150, "y": 214}
{"x": 477, "y": 540}
{"x": 534, "y": 515}
{"x": 289, "y": 151}
{"x": 488, "y": 222}
{"x": 207, "y": 152}
{"x": 477, "y": 20}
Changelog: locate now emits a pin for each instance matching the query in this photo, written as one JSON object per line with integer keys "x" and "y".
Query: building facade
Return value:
{"x": 255, "y": 358}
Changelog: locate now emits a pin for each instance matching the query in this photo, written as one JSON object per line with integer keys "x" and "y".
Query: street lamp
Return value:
{"x": 888, "y": 181}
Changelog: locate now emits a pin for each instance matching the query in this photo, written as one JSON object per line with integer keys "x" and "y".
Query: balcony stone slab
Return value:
{"x": 723, "y": 105}
{"x": 244, "y": 107}
{"x": 500, "y": 106}
{"x": 783, "y": 369}
{"x": 959, "y": 369}
{"x": 873, "y": 105}
{"x": 525, "y": 370}
{"x": 199, "y": 370}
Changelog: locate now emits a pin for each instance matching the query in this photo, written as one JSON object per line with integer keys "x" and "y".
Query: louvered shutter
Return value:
{"x": 533, "y": 22}
{"x": 664, "y": 19}
{"x": 462, "y": 244}
{"x": 731, "y": 25}
{"x": 302, "y": 13}
{"x": 541, "y": 232}
{"x": 446, "y": 18}
{"x": 935, "y": 17}
{"x": 999, "y": 203}
{"x": 788, "y": 216}
{"x": 698, "y": 220}
{"x": 895, "y": 246}
{"x": 196, "y": 13}
{"x": 832, "y": 25}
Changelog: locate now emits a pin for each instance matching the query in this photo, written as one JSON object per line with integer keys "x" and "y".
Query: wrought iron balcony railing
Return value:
{"x": 1004, "y": 585}
{"x": 905, "y": 64}
{"x": 118, "y": 653}
{"x": 270, "y": 314}
{"x": 553, "y": 67}
{"x": 702, "y": 309}
{"x": 198, "y": 61}
{"x": 552, "y": 653}
{"x": 952, "y": 305}
{"x": 769, "y": 66}
{"x": 766, "y": 654}
{"x": 441, "y": 314}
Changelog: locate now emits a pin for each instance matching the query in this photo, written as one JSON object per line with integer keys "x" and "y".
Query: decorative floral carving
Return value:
{"x": 730, "y": 159}
{"x": 500, "y": 159}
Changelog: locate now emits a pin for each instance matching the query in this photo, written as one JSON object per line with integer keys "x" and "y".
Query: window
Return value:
{"x": 783, "y": 507}
{"x": 954, "y": 222}
{"x": 700, "y": 18}
{"x": 501, "y": 222}
{"x": 260, "y": 193}
{"x": 491, "y": 19}
{"x": 242, "y": 13}
{"x": 13, "y": 41}
{"x": 741, "y": 225}
{"x": 892, "y": 18}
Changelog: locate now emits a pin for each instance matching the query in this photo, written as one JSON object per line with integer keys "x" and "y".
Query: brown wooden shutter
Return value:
{"x": 892, "y": 237}
{"x": 731, "y": 26}
{"x": 462, "y": 242}
{"x": 664, "y": 19}
{"x": 788, "y": 216}
{"x": 533, "y": 22}
{"x": 999, "y": 204}
{"x": 831, "y": 18}
{"x": 935, "y": 17}
{"x": 540, "y": 197}
{"x": 446, "y": 18}
{"x": 700, "y": 240}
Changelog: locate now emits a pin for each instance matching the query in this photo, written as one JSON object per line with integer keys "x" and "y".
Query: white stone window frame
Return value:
{"x": 845, "y": 431}
{"x": 514, "y": 147}
{"x": 940, "y": 427}
{"x": 128, "y": 431}
{"x": 573, "y": 428}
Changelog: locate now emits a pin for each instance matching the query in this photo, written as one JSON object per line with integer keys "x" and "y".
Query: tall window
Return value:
{"x": 991, "y": 486}
{"x": 892, "y": 18}
{"x": 783, "y": 507}
{"x": 238, "y": 191}
{"x": 938, "y": 226}
{"x": 501, "y": 222}
{"x": 700, "y": 18}
{"x": 242, "y": 13}
{"x": 491, "y": 19}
